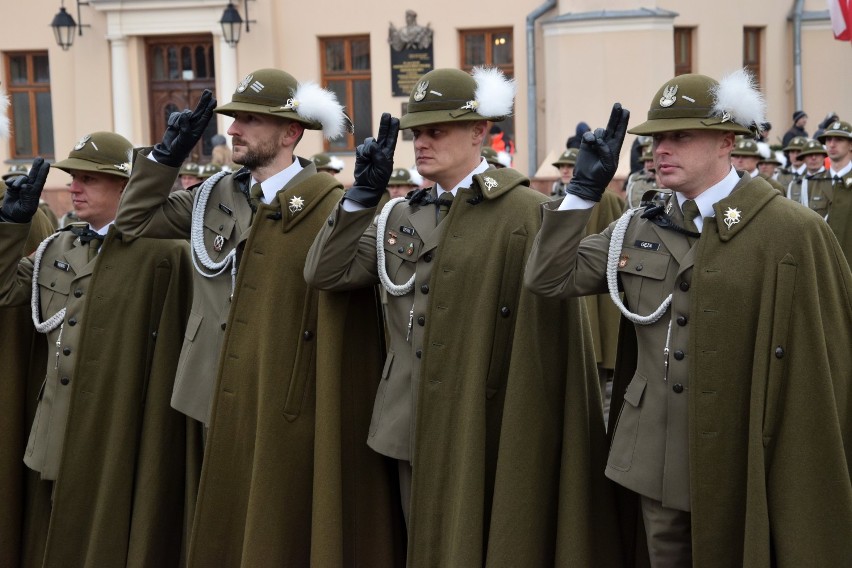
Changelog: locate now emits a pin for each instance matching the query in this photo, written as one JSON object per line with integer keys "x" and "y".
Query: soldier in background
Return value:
{"x": 813, "y": 188}
{"x": 327, "y": 163}
{"x": 189, "y": 175}
{"x": 497, "y": 159}
{"x": 643, "y": 181}
{"x": 565, "y": 164}
{"x": 746, "y": 156}
{"x": 795, "y": 167}
{"x": 837, "y": 138}
{"x": 209, "y": 170}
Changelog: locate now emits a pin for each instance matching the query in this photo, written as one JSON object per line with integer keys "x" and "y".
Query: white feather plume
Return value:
{"x": 336, "y": 163}
{"x": 320, "y": 105}
{"x": 495, "y": 94}
{"x": 764, "y": 150}
{"x": 4, "y": 116}
{"x": 737, "y": 94}
{"x": 504, "y": 158}
{"x": 416, "y": 178}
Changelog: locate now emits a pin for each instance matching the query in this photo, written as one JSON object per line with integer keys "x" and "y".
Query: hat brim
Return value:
{"x": 230, "y": 109}
{"x": 426, "y": 117}
{"x": 557, "y": 164}
{"x": 835, "y": 134}
{"x": 69, "y": 164}
{"x": 658, "y": 125}
{"x": 805, "y": 153}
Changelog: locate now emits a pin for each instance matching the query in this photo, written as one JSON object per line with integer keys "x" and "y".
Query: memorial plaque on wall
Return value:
{"x": 408, "y": 65}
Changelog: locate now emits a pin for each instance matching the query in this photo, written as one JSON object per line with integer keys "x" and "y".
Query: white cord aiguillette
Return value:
{"x": 381, "y": 223}
{"x": 53, "y": 321}
{"x": 196, "y": 236}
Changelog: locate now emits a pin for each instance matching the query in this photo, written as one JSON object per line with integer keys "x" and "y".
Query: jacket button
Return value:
{"x": 678, "y": 355}
{"x": 684, "y": 286}
{"x": 400, "y": 250}
{"x": 779, "y": 352}
{"x": 66, "y": 351}
{"x": 421, "y": 320}
{"x": 427, "y": 257}
{"x": 308, "y": 335}
{"x": 639, "y": 268}
{"x": 419, "y": 353}
{"x": 681, "y": 321}
{"x": 678, "y": 388}
{"x": 64, "y": 380}
{"x": 78, "y": 292}
{"x": 221, "y": 227}
{"x": 223, "y": 325}
{"x": 72, "y": 321}
{"x": 330, "y": 222}
{"x": 505, "y": 311}
{"x": 425, "y": 288}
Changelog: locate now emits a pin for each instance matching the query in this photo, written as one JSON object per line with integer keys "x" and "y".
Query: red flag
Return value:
{"x": 841, "y": 18}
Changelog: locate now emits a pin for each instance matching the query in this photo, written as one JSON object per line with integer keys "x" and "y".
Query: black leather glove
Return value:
{"x": 597, "y": 159}
{"x": 21, "y": 201}
{"x": 374, "y": 164}
{"x": 183, "y": 131}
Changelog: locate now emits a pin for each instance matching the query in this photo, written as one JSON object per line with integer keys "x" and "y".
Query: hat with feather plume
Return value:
{"x": 693, "y": 101}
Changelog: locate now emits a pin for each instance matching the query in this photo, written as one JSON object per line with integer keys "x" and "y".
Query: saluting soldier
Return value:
{"x": 795, "y": 167}
{"x": 838, "y": 144}
{"x": 497, "y": 442}
{"x": 729, "y": 443}
{"x": 746, "y": 156}
{"x": 272, "y": 365}
{"x": 114, "y": 467}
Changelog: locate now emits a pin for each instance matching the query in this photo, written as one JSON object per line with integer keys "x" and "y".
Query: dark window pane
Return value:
{"x": 18, "y": 69}
{"x": 186, "y": 62}
{"x": 335, "y": 57}
{"x": 158, "y": 62}
{"x": 41, "y": 68}
{"x": 210, "y": 65}
{"x": 200, "y": 62}
{"x": 339, "y": 89}
{"x": 21, "y": 124}
{"x": 363, "y": 111}
{"x": 502, "y": 51}
{"x": 361, "y": 55}
{"x": 44, "y": 120}
{"x": 174, "y": 72}
{"x": 474, "y": 50}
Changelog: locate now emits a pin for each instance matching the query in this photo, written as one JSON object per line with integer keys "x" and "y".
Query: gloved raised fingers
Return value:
{"x": 38, "y": 173}
{"x": 205, "y": 106}
{"x": 388, "y": 133}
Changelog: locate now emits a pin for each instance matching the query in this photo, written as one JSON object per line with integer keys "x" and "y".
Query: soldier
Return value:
{"x": 114, "y": 469}
{"x": 189, "y": 175}
{"x": 838, "y": 143}
{"x": 327, "y": 163}
{"x": 461, "y": 406}
{"x": 269, "y": 363}
{"x": 727, "y": 441}
{"x": 746, "y": 156}
{"x": 497, "y": 159}
{"x": 643, "y": 181}
{"x": 565, "y": 164}
{"x": 813, "y": 189}
{"x": 400, "y": 184}
{"x": 768, "y": 166}
{"x": 209, "y": 170}
{"x": 795, "y": 167}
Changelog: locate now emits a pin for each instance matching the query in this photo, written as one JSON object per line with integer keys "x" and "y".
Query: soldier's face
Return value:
{"x": 399, "y": 190}
{"x": 744, "y": 163}
{"x": 187, "y": 181}
{"x": 566, "y": 172}
{"x": 257, "y": 139}
{"x": 447, "y": 152}
{"x": 794, "y": 157}
{"x": 95, "y": 196}
{"x": 838, "y": 148}
{"x": 767, "y": 168}
{"x": 690, "y": 161}
{"x": 813, "y": 162}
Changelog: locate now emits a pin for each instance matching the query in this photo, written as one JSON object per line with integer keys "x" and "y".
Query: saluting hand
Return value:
{"x": 183, "y": 131}
{"x": 597, "y": 159}
{"x": 374, "y": 164}
{"x": 22, "y": 195}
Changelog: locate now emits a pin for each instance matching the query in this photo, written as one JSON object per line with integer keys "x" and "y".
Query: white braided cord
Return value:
{"x": 615, "y": 245}
{"x": 53, "y": 321}
{"x": 381, "y": 222}
{"x": 196, "y": 236}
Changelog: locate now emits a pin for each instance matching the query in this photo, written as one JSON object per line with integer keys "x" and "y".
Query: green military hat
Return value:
{"x": 495, "y": 158}
{"x": 401, "y": 176}
{"x": 325, "y": 161}
{"x": 208, "y": 170}
{"x": 16, "y": 170}
{"x": 693, "y": 101}
{"x": 838, "y": 129}
{"x": 771, "y": 159}
{"x": 277, "y": 93}
{"x": 795, "y": 143}
{"x": 189, "y": 169}
{"x": 567, "y": 158}
{"x": 746, "y": 147}
{"x": 453, "y": 95}
{"x": 812, "y": 147}
{"x": 105, "y": 152}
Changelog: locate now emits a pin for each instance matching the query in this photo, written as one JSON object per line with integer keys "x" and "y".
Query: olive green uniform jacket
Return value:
{"x": 504, "y": 430}
{"x": 287, "y": 479}
{"x": 121, "y": 460}
{"x": 840, "y": 213}
{"x": 768, "y": 318}
{"x": 19, "y": 381}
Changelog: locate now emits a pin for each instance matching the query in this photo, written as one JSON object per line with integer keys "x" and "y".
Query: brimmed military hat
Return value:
{"x": 105, "y": 152}
{"x": 698, "y": 102}
{"x": 453, "y": 95}
{"x": 838, "y": 129}
{"x": 813, "y": 147}
{"x": 277, "y": 93}
{"x": 746, "y": 148}
{"x": 325, "y": 161}
{"x": 189, "y": 169}
{"x": 795, "y": 143}
{"x": 567, "y": 158}
{"x": 16, "y": 170}
{"x": 401, "y": 176}
{"x": 771, "y": 159}
{"x": 208, "y": 170}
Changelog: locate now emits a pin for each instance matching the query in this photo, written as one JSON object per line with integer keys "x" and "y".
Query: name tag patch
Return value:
{"x": 646, "y": 245}
{"x": 225, "y": 209}
{"x": 61, "y": 265}
{"x": 407, "y": 230}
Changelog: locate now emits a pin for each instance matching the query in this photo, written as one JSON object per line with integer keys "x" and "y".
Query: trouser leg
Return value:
{"x": 669, "y": 534}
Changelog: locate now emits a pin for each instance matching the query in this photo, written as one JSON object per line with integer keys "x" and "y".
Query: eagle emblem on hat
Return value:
{"x": 82, "y": 142}
{"x": 245, "y": 83}
{"x": 668, "y": 98}
{"x": 420, "y": 91}
{"x": 836, "y": 126}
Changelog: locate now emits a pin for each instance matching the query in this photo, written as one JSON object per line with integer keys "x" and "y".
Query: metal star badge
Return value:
{"x": 732, "y": 217}
{"x": 490, "y": 183}
{"x": 296, "y": 204}
{"x": 218, "y": 243}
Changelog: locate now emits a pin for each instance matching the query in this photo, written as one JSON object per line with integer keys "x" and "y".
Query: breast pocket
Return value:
{"x": 54, "y": 288}
{"x": 218, "y": 231}
{"x": 401, "y": 254}
{"x": 643, "y": 277}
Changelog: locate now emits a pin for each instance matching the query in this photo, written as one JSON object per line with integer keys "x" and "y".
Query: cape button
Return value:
{"x": 425, "y": 288}
{"x": 678, "y": 388}
{"x": 64, "y": 380}
{"x": 308, "y": 335}
{"x": 779, "y": 352}
{"x": 419, "y": 353}
{"x": 678, "y": 355}
{"x": 421, "y": 321}
{"x": 78, "y": 292}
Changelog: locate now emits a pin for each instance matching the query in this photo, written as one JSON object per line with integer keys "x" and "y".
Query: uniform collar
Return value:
{"x": 467, "y": 181}
{"x": 842, "y": 172}
{"x": 273, "y": 185}
{"x": 711, "y": 196}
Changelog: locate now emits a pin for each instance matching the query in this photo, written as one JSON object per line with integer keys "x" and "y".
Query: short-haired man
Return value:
{"x": 837, "y": 138}
{"x": 495, "y": 445}
{"x": 268, "y": 362}
{"x": 114, "y": 468}
{"x": 729, "y": 443}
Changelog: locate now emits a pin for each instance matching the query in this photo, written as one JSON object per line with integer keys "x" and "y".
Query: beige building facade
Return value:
{"x": 136, "y": 60}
